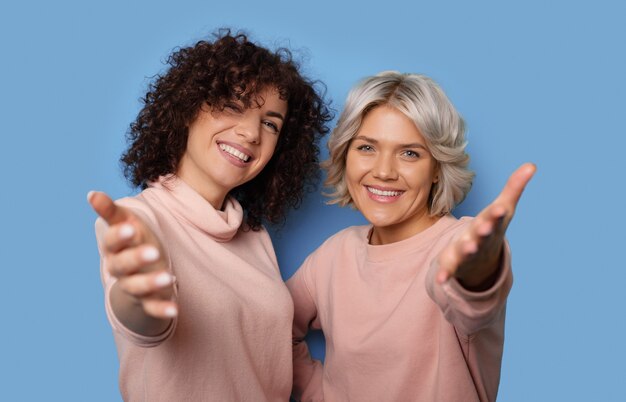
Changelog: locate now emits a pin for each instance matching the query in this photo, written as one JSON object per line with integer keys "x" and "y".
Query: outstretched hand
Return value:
{"x": 474, "y": 256}
{"x": 136, "y": 258}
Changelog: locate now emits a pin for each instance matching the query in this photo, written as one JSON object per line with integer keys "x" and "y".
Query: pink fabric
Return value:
{"x": 392, "y": 333}
{"x": 232, "y": 339}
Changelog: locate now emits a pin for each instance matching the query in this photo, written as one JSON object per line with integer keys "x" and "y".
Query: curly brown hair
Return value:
{"x": 231, "y": 68}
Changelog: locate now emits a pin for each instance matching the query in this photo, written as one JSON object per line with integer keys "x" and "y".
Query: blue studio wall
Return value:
{"x": 535, "y": 81}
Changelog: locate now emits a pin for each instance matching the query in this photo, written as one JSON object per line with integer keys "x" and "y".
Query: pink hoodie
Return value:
{"x": 393, "y": 333}
{"x": 232, "y": 338}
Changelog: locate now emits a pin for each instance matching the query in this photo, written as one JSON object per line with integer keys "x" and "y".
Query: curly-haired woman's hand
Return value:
{"x": 474, "y": 257}
{"x": 142, "y": 296}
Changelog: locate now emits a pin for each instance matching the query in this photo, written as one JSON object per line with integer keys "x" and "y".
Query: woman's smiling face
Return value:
{"x": 228, "y": 148}
{"x": 389, "y": 174}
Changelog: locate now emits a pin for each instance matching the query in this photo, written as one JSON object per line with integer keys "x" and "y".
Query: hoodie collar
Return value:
{"x": 189, "y": 205}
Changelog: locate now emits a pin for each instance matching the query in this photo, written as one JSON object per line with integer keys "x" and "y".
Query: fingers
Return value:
{"x": 160, "y": 308}
{"x": 106, "y": 208}
{"x": 131, "y": 260}
{"x": 478, "y": 245}
{"x": 128, "y": 243}
{"x": 491, "y": 220}
{"x": 153, "y": 289}
{"x": 514, "y": 187}
{"x": 130, "y": 256}
{"x": 503, "y": 207}
{"x": 451, "y": 257}
{"x": 119, "y": 237}
{"x": 144, "y": 285}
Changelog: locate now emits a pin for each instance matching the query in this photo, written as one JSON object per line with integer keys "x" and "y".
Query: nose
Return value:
{"x": 249, "y": 128}
{"x": 384, "y": 167}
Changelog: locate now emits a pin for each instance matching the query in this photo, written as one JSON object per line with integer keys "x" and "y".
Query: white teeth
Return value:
{"x": 383, "y": 193}
{"x": 234, "y": 152}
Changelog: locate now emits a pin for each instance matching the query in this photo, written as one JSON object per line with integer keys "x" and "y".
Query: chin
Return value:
{"x": 228, "y": 182}
{"x": 380, "y": 220}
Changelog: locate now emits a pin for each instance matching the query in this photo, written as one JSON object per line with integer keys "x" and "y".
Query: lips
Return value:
{"x": 235, "y": 153}
{"x": 382, "y": 194}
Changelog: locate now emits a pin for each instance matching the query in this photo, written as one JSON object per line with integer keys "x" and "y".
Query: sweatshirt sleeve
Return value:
{"x": 471, "y": 311}
{"x": 307, "y": 373}
{"x": 144, "y": 213}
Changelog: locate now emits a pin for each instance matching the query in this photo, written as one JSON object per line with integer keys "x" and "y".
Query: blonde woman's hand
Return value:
{"x": 142, "y": 295}
{"x": 474, "y": 256}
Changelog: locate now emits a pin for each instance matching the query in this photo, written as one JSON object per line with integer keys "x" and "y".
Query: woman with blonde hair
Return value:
{"x": 412, "y": 305}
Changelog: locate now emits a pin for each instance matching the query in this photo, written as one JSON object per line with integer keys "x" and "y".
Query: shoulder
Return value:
{"x": 145, "y": 204}
{"x": 319, "y": 264}
{"x": 353, "y": 235}
{"x": 452, "y": 226}
{"x": 259, "y": 235}
{"x": 350, "y": 238}
{"x": 143, "y": 201}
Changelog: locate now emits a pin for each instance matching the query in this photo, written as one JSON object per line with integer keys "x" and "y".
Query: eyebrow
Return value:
{"x": 275, "y": 114}
{"x": 373, "y": 141}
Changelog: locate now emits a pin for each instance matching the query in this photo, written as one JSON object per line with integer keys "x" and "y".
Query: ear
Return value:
{"x": 436, "y": 174}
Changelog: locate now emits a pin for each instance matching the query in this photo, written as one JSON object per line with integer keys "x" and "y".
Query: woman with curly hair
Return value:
{"x": 412, "y": 305}
{"x": 226, "y": 139}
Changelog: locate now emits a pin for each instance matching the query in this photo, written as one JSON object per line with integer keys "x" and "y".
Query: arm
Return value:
{"x": 135, "y": 270}
{"x": 475, "y": 265}
{"x": 471, "y": 311}
{"x": 307, "y": 373}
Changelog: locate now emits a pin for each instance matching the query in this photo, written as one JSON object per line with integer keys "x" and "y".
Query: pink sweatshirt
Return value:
{"x": 392, "y": 333}
{"x": 232, "y": 338}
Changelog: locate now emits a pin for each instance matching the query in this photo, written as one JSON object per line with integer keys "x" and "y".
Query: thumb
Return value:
{"x": 106, "y": 208}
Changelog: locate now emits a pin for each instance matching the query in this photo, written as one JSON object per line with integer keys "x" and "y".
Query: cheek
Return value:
{"x": 420, "y": 177}
{"x": 352, "y": 176}
{"x": 197, "y": 141}
{"x": 356, "y": 167}
{"x": 190, "y": 147}
{"x": 269, "y": 145}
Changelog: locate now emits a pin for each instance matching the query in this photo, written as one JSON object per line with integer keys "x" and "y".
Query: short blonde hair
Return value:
{"x": 425, "y": 103}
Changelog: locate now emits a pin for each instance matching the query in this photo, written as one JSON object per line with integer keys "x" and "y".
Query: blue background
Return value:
{"x": 536, "y": 81}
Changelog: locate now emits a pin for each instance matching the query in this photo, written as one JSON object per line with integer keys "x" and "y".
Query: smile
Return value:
{"x": 384, "y": 193}
{"x": 234, "y": 152}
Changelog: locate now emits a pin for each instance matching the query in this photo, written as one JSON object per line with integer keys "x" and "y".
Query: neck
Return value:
{"x": 394, "y": 233}
{"x": 197, "y": 179}
{"x": 214, "y": 196}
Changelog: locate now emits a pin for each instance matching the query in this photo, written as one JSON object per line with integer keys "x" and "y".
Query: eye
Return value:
{"x": 273, "y": 126}
{"x": 233, "y": 107}
{"x": 365, "y": 148}
{"x": 410, "y": 154}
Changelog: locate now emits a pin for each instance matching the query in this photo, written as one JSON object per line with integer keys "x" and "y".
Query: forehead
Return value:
{"x": 269, "y": 98}
{"x": 390, "y": 124}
